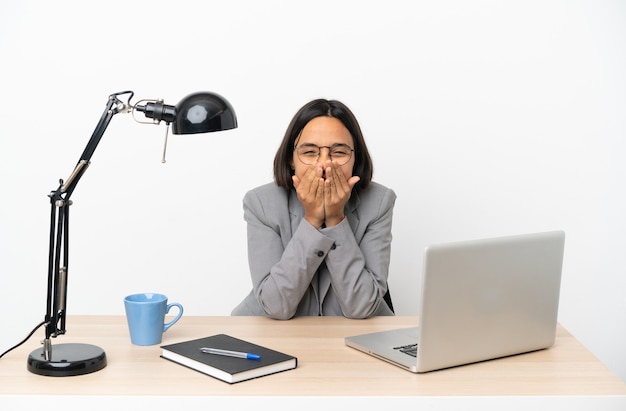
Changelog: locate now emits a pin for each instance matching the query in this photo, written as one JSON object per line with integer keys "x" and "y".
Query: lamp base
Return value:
{"x": 68, "y": 360}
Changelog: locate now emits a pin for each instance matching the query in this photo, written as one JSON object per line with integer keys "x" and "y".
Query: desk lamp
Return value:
{"x": 197, "y": 113}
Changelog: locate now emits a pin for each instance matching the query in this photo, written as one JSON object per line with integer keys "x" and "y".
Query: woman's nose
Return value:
{"x": 324, "y": 154}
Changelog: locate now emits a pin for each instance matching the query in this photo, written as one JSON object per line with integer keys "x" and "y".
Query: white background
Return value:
{"x": 487, "y": 118}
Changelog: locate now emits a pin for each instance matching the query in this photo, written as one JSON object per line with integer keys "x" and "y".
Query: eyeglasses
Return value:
{"x": 309, "y": 153}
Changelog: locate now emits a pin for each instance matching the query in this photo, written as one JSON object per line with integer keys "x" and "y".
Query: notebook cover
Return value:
{"x": 229, "y": 369}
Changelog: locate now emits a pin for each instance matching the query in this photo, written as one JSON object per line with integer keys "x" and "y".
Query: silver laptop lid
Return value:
{"x": 484, "y": 299}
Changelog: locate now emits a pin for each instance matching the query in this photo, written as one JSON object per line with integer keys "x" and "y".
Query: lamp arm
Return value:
{"x": 59, "y": 225}
{"x": 113, "y": 107}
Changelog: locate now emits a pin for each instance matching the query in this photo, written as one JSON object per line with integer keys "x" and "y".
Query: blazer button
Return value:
{"x": 333, "y": 246}
{"x": 320, "y": 253}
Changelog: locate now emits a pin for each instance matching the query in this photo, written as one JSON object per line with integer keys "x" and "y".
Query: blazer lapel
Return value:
{"x": 296, "y": 212}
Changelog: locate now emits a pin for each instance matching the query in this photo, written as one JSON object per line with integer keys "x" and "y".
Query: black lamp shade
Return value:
{"x": 202, "y": 113}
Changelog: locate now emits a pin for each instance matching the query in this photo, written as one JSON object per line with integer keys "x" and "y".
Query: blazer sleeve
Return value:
{"x": 359, "y": 260}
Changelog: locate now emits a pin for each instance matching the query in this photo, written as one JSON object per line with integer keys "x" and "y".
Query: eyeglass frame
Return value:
{"x": 319, "y": 151}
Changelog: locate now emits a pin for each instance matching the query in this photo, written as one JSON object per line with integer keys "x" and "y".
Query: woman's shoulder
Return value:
{"x": 267, "y": 192}
{"x": 375, "y": 199}
{"x": 268, "y": 202}
{"x": 377, "y": 190}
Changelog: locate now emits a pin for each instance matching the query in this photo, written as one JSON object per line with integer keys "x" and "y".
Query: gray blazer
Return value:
{"x": 298, "y": 270}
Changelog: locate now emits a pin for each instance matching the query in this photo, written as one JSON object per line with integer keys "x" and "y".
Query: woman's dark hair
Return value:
{"x": 363, "y": 167}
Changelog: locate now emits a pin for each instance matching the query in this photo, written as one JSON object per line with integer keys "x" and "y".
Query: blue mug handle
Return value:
{"x": 166, "y": 326}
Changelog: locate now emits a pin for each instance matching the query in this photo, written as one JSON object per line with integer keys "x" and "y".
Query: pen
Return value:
{"x": 228, "y": 353}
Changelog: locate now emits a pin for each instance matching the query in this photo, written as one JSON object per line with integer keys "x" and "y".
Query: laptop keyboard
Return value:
{"x": 410, "y": 349}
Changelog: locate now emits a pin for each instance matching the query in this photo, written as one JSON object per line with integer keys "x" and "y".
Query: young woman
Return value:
{"x": 319, "y": 236}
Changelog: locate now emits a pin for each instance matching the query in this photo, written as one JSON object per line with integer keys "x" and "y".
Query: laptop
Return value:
{"x": 481, "y": 300}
